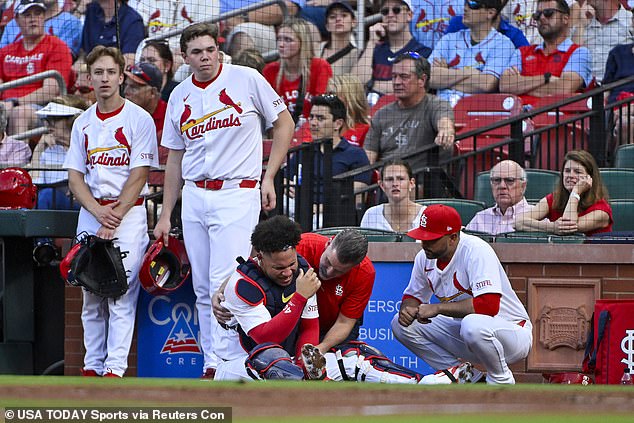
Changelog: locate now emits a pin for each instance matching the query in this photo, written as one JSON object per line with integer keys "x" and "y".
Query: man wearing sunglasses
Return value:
{"x": 388, "y": 39}
{"x": 558, "y": 66}
{"x": 472, "y": 60}
{"x": 508, "y": 184}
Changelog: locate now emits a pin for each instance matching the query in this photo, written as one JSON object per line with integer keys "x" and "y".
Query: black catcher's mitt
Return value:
{"x": 98, "y": 267}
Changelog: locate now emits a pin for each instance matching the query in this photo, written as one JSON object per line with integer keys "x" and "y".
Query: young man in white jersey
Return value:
{"x": 479, "y": 318}
{"x": 112, "y": 147}
{"x": 213, "y": 131}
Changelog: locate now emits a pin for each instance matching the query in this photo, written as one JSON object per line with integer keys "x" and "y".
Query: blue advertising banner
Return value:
{"x": 168, "y": 334}
{"x": 391, "y": 281}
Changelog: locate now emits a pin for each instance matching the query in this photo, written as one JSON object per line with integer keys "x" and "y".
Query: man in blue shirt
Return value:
{"x": 100, "y": 28}
{"x": 388, "y": 39}
{"x": 63, "y": 25}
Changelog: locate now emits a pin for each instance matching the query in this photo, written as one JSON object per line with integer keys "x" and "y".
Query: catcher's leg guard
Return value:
{"x": 271, "y": 361}
{"x": 361, "y": 362}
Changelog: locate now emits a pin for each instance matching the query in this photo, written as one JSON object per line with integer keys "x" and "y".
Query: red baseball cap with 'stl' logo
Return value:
{"x": 437, "y": 221}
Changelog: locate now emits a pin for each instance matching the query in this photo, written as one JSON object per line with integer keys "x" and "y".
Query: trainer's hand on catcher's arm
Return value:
{"x": 307, "y": 283}
{"x": 107, "y": 216}
{"x": 162, "y": 229}
{"x": 220, "y": 313}
{"x": 105, "y": 233}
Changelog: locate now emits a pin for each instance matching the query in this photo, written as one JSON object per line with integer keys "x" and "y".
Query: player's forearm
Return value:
{"x": 81, "y": 191}
{"x": 132, "y": 188}
{"x": 281, "y": 325}
{"x": 308, "y": 334}
{"x": 173, "y": 181}
{"x": 337, "y": 333}
{"x": 456, "y": 309}
{"x": 518, "y": 84}
{"x": 283, "y": 129}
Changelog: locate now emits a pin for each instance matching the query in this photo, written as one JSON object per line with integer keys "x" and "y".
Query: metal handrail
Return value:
{"x": 37, "y": 77}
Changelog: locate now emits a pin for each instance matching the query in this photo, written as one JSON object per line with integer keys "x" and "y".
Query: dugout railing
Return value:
{"x": 541, "y": 147}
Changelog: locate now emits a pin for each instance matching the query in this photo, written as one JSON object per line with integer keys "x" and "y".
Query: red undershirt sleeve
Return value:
{"x": 488, "y": 304}
{"x": 279, "y": 327}
{"x": 308, "y": 334}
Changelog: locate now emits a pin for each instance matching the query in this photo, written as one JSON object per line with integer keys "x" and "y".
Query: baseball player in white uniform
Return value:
{"x": 113, "y": 145}
{"x": 479, "y": 318}
{"x": 213, "y": 130}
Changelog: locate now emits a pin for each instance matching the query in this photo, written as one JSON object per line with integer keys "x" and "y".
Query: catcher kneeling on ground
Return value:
{"x": 274, "y": 316}
{"x": 479, "y": 318}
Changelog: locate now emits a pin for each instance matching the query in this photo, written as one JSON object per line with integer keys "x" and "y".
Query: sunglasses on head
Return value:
{"x": 406, "y": 55}
{"x": 474, "y": 5}
{"x": 395, "y": 10}
{"x": 548, "y": 13}
{"x": 136, "y": 71}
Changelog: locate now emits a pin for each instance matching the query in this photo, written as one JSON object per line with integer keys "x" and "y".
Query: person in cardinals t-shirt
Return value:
{"x": 34, "y": 53}
{"x": 298, "y": 73}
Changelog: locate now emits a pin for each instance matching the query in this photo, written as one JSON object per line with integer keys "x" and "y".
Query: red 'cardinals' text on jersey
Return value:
{"x": 106, "y": 150}
{"x": 219, "y": 125}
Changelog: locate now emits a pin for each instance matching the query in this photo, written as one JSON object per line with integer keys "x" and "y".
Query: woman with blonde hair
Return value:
{"x": 350, "y": 90}
{"x": 298, "y": 75}
{"x": 579, "y": 204}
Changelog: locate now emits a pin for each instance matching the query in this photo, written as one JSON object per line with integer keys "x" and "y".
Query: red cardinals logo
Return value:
{"x": 226, "y": 100}
{"x": 185, "y": 15}
{"x": 121, "y": 138}
{"x": 421, "y": 15}
{"x": 186, "y": 114}
{"x": 479, "y": 58}
{"x": 454, "y": 62}
{"x": 451, "y": 12}
{"x": 86, "y": 146}
{"x": 155, "y": 15}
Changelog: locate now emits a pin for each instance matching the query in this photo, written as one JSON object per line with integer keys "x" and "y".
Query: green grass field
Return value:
{"x": 381, "y": 401}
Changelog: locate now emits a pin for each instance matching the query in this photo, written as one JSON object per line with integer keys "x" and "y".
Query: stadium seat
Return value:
{"x": 539, "y": 182}
{"x": 624, "y": 156}
{"x": 554, "y": 143}
{"x": 466, "y": 208}
{"x": 623, "y": 215}
{"x": 373, "y": 235}
{"x": 619, "y": 182}
{"x": 539, "y": 238}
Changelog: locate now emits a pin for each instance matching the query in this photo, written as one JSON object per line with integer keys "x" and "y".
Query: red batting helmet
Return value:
{"x": 16, "y": 189}
{"x": 64, "y": 265}
{"x": 164, "y": 267}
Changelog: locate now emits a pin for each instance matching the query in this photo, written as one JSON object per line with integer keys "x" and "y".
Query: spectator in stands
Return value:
{"x": 349, "y": 90}
{"x": 158, "y": 53}
{"x": 298, "y": 75}
{"x": 251, "y": 58}
{"x": 63, "y": 25}
{"x": 471, "y": 61}
{"x": 142, "y": 87}
{"x": 388, "y": 38}
{"x": 50, "y": 151}
{"x": 251, "y": 35}
{"x": 600, "y": 25}
{"x": 100, "y": 28}
{"x": 340, "y": 51}
{"x": 414, "y": 120}
{"x": 35, "y": 52}
{"x": 431, "y": 19}
{"x": 501, "y": 24}
{"x": 508, "y": 184}
{"x": 82, "y": 86}
{"x": 327, "y": 118}
{"x": 400, "y": 213}
{"x": 519, "y": 13}
{"x": 558, "y": 66}
{"x": 12, "y": 152}
{"x": 268, "y": 15}
{"x": 579, "y": 204}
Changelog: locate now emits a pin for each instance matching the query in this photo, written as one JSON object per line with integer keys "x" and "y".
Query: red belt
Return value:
{"x": 522, "y": 323}
{"x": 216, "y": 184}
{"x": 103, "y": 202}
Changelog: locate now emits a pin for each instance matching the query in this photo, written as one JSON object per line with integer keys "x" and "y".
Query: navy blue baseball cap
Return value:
{"x": 341, "y": 5}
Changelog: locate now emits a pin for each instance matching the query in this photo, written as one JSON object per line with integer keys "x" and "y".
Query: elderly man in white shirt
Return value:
{"x": 508, "y": 183}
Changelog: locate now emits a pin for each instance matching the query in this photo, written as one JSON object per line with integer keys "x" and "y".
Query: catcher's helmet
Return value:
{"x": 164, "y": 268}
{"x": 16, "y": 189}
{"x": 64, "y": 265}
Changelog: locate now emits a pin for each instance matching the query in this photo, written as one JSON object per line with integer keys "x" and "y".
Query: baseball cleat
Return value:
{"x": 110, "y": 374}
{"x": 210, "y": 374}
{"x": 462, "y": 373}
{"x": 314, "y": 362}
{"x": 89, "y": 373}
